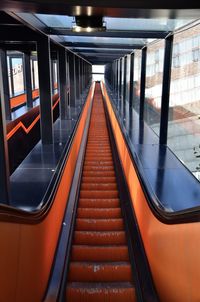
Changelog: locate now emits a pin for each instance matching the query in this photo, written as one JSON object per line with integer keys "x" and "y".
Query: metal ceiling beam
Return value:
{"x": 102, "y": 50}
{"x": 136, "y": 34}
{"x": 104, "y": 60}
{"x": 19, "y": 47}
{"x": 103, "y": 55}
{"x": 100, "y": 62}
{"x": 17, "y": 33}
{"x": 102, "y": 45}
{"x": 32, "y": 20}
{"x": 5, "y": 19}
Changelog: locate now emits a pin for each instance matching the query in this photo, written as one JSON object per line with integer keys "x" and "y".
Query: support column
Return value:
{"x": 62, "y": 67}
{"x": 72, "y": 79}
{"x": 67, "y": 76}
{"x": 120, "y": 78}
{"x": 116, "y": 77}
{"x": 5, "y": 95}
{"x": 143, "y": 82}
{"x": 81, "y": 82}
{"x": 166, "y": 90}
{"x": 83, "y": 75}
{"x": 125, "y": 79}
{"x": 44, "y": 72}
{"x": 77, "y": 77}
{"x": 28, "y": 85}
{"x": 131, "y": 80}
{"x": 11, "y": 76}
{"x": 4, "y": 158}
{"x": 79, "y": 68}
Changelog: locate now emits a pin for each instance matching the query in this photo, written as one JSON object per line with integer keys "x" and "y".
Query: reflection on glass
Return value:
{"x": 55, "y": 75}
{"x": 136, "y": 80}
{"x": 184, "y": 111}
{"x": 18, "y": 77}
{"x": 153, "y": 89}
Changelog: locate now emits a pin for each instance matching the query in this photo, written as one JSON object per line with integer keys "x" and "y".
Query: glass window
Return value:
{"x": 136, "y": 80}
{"x": 55, "y": 74}
{"x": 195, "y": 41}
{"x": 32, "y": 75}
{"x": 184, "y": 108}
{"x": 153, "y": 89}
{"x": 98, "y": 72}
{"x": 18, "y": 76}
{"x": 35, "y": 64}
{"x": 195, "y": 55}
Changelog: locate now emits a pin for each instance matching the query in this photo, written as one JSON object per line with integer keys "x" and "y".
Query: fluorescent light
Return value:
{"x": 76, "y": 29}
{"x": 88, "y": 29}
{"x": 88, "y": 24}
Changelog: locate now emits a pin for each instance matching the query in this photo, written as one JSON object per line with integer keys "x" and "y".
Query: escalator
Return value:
{"x": 99, "y": 268}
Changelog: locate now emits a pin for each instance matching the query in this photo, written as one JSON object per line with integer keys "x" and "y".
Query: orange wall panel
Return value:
{"x": 21, "y": 99}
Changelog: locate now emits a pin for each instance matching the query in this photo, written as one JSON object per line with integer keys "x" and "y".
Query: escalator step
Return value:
{"x": 99, "y": 253}
{"x": 99, "y": 224}
{"x": 98, "y": 162}
{"x": 107, "y": 179}
{"x": 100, "y": 292}
{"x": 98, "y": 168}
{"x": 99, "y": 186}
{"x": 99, "y": 203}
{"x": 98, "y": 157}
{"x": 98, "y": 173}
{"x": 99, "y": 238}
{"x": 100, "y": 272}
{"x": 99, "y": 194}
{"x": 99, "y": 213}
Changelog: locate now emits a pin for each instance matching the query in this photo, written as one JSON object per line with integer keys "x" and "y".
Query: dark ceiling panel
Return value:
{"x": 18, "y": 33}
{"x": 138, "y": 34}
{"x": 102, "y": 51}
{"x": 102, "y": 45}
{"x": 121, "y": 8}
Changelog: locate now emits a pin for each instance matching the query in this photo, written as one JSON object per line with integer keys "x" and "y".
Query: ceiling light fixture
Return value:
{"x": 88, "y": 24}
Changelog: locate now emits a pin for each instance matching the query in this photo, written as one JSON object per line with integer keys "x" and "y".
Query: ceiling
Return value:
{"x": 121, "y": 37}
{"x": 129, "y": 24}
